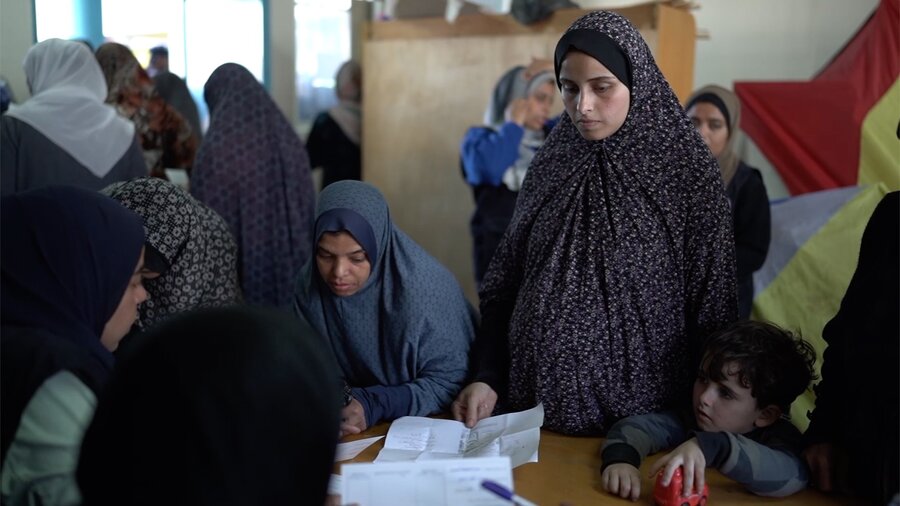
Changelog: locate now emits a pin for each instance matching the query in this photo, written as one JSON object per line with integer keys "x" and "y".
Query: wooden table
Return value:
{"x": 567, "y": 472}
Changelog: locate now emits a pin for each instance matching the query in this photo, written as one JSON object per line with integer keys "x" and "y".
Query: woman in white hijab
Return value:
{"x": 65, "y": 133}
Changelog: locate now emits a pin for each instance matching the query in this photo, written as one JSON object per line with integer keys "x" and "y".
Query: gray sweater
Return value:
{"x": 765, "y": 461}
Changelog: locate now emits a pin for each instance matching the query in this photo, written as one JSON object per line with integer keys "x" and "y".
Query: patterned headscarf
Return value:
{"x": 193, "y": 241}
{"x": 254, "y": 171}
{"x": 166, "y": 138}
{"x": 619, "y": 259}
{"x": 409, "y": 324}
{"x": 730, "y": 107}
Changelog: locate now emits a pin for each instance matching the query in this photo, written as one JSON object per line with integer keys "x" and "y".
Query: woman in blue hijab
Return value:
{"x": 396, "y": 319}
{"x": 71, "y": 263}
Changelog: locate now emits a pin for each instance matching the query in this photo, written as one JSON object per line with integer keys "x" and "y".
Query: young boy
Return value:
{"x": 749, "y": 375}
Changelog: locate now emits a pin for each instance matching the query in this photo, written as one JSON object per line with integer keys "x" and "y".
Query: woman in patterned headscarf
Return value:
{"x": 167, "y": 138}
{"x": 619, "y": 258}
{"x": 253, "y": 170}
{"x": 188, "y": 245}
{"x": 396, "y": 319}
{"x": 716, "y": 112}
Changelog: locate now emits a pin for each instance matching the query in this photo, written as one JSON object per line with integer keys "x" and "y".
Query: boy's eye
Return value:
{"x": 724, "y": 393}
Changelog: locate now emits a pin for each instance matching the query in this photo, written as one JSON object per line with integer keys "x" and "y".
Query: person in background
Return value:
{"x": 748, "y": 377}
{"x": 397, "y": 320}
{"x": 175, "y": 92}
{"x": 65, "y": 133}
{"x": 716, "y": 113}
{"x": 70, "y": 286}
{"x": 168, "y": 141}
{"x": 854, "y": 431}
{"x": 495, "y": 157}
{"x": 619, "y": 259}
{"x": 159, "y": 61}
{"x": 188, "y": 245}
{"x": 216, "y": 407}
{"x": 334, "y": 141}
{"x": 253, "y": 170}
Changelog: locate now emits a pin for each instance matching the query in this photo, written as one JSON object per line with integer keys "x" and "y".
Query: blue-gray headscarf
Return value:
{"x": 409, "y": 326}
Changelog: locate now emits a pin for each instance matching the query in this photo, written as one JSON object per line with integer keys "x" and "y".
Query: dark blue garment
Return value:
{"x": 403, "y": 339}
{"x": 66, "y": 257}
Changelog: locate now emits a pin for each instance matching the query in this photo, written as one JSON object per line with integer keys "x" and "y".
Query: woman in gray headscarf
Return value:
{"x": 396, "y": 319}
{"x": 65, "y": 133}
{"x": 496, "y": 157}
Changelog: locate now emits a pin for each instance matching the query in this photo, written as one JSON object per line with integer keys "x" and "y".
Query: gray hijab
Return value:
{"x": 409, "y": 323}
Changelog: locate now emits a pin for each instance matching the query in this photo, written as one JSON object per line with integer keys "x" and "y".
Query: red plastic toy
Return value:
{"x": 671, "y": 495}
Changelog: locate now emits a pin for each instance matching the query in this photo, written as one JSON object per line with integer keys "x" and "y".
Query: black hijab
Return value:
{"x": 66, "y": 257}
{"x": 225, "y": 406}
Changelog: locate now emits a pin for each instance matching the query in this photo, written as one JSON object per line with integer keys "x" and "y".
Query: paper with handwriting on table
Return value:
{"x": 455, "y": 482}
{"x": 347, "y": 451}
{"x": 513, "y": 435}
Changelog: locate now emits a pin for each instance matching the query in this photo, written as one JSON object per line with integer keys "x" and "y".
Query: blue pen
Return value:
{"x": 506, "y": 493}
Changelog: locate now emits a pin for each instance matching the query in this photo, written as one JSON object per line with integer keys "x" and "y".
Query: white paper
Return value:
{"x": 335, "y": 485}
{"x": 513, "y": 435}
{"x": 454, "y": 482}
{"x": 347, "y": 451}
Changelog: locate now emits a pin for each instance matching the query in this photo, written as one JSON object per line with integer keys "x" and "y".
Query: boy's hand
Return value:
{"x": 623, "y": 480}
{"x": 690, "y": 457}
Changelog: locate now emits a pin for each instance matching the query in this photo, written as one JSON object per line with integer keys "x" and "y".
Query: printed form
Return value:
{"x": 513, "y": 435}
{"x": 455, "y": 482}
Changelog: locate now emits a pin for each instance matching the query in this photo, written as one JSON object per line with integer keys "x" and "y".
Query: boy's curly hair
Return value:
{"x": 773, "y": 363}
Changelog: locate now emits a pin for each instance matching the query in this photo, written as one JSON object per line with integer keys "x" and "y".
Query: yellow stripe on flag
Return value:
{"x": 879, "y": 147}
{"x": 807, "y": 293}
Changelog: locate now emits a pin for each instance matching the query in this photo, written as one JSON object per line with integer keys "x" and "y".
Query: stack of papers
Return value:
{"x": 455, "y": 482}
{"x": 513, "y": 435}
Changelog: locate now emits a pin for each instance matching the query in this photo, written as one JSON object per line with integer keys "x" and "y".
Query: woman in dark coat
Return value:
{"x": 716, "y": 112}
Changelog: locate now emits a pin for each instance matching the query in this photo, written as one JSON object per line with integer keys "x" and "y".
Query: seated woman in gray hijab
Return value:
{"x": 396, "y": 319}
{"x": 65, "y": 133}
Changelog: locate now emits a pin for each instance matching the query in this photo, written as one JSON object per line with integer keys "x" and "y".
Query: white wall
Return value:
{"x": 16, "y": 22}
{"x": 772, "y": 40}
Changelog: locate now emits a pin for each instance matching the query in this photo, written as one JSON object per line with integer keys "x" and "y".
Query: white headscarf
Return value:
{"x": 67, "y": 105}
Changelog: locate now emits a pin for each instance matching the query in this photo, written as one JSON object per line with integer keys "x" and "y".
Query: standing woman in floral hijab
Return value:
{"x": 253, "y": 170}
{"x": 619, "y": 259}
{"x": 166, "y": 137}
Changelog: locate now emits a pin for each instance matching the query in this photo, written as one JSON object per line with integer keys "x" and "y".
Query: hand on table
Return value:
{"x": 623, "y": 480}
{"x": 475, "y": 402}
{"x": 353, "y": 418}
{"x": 690, "y": 457}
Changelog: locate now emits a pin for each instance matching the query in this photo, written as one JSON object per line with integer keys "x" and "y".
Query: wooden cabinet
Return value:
{"x": 426, "y": 81}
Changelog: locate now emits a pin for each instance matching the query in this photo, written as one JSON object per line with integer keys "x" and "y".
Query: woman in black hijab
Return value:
{"x": 70, "y": 285}
{"x": 225, "y": 406}
{"x": 619, "y": 258}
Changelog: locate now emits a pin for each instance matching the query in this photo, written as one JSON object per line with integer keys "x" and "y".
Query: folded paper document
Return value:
{"x": 513, "y": 435}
